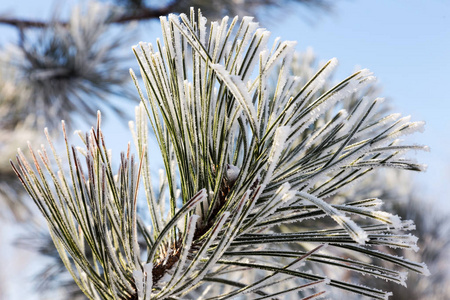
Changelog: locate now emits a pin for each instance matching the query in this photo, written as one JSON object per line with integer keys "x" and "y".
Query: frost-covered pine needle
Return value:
{"x": 248, "y": 150}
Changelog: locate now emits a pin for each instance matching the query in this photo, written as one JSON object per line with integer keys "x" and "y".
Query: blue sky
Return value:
{"x": 406, "y": 43}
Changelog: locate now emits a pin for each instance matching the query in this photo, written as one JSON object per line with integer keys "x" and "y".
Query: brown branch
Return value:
{"x": 23, "y": 23}
{"x": 141, "y": 14}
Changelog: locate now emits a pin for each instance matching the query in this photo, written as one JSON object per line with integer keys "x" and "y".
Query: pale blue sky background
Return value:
{"x": 406, "y": 43}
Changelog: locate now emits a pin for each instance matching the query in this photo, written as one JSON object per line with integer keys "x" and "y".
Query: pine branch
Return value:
{"x": 243, "y": 160}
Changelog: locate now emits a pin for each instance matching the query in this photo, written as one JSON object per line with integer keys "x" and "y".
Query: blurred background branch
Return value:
{"x": 139, "y": 10}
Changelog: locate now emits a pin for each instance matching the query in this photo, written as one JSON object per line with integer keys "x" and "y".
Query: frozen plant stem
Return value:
{"x": 248, "y": 149}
